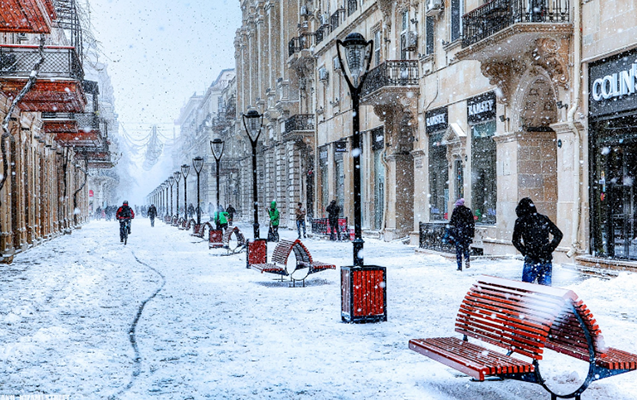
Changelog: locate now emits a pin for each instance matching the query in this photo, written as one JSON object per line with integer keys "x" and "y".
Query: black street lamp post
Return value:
{"x": 177, "y": 176}
{"x": 369, "y": 302}
{"x": 166, "y": 198}
{"x": 171, "y": 182}
{"x": 357, "y": 57}
{"x": 216, "y": 146}
{"x": 253, "y": 121}
{"x": 197, "y": 163}
{"x": 185, "y": 169}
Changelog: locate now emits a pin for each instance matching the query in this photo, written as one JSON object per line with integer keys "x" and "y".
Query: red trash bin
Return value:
{"x": 216, "y": 239}
{"x": 364, "y": 294}
{"x": 257, "y": 252}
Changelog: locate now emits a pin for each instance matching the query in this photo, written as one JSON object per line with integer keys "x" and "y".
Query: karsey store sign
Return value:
{"x": 613, "y": 84}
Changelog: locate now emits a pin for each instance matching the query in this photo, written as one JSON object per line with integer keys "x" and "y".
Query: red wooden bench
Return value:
{"x": 303, "y": 267}
{"x": 236, "y": 245}
{"x": 524, "y": 319}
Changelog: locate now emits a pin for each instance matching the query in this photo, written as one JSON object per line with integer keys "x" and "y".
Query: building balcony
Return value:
{"x": 301, "y": 46}
{"x": 391, "y": 82}
{"x": 27, "y": 16}
{"x": 74, "y": 129}
{"x": 59, "y": 85}
{"x": 502, "y": 29}
{"x": 99, "y": 159}
{"x": 299, "y": 126}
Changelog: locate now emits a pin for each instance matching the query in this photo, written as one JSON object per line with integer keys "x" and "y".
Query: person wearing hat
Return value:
{"x": 463, "y": 229}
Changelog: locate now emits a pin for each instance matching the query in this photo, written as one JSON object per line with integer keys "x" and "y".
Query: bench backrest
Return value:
{"x": 525, "y": 318}
{"x": 301, "y": 252}
{"x": 282, "y": 252}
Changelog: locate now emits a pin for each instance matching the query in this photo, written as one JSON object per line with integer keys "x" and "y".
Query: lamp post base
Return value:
{"x": 358, "y": 252}
{"x": 256, "y": 230}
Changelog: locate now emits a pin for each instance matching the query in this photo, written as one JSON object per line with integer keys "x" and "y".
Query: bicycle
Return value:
{"x": 124, "y": 228}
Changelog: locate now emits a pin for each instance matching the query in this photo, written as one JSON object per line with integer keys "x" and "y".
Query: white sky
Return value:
{"x": 160, "y": 52}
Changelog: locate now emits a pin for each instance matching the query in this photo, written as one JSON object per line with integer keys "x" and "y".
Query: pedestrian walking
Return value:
{"x": 230, "y": 210}
{"x": 462, "y": 227}
{"x": 333, "y": 211}
{"x": 273, "y": 213}
{"x": 300, "y": 219}
{"x": 191, "y": 210}
{"x": 531, "y": 238}
{"x": 152, "y": 213}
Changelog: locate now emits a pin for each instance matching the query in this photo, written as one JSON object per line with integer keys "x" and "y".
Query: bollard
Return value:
{"x": 364, "y": 294}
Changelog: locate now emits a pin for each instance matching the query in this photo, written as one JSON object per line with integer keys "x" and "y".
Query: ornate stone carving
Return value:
{"x": 552, "y": 56}
{"x": 502, "y": 75}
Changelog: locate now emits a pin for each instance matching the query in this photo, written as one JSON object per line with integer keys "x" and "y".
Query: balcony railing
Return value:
{"x": 17, "y": 61}
{"x": 337, "y": 18}
{"x": 304, "y": 42}
{"x": 322, "y": 32}
{"x": 87, "y": 122}
{"x": 299, "y": 122}
{"x": 391, "y": 73}
{"x": 497, "y": 15}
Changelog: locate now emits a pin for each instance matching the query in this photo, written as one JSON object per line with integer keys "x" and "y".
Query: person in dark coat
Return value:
{"x": 333, "y": 211}
{"x": 191, "y": 210}
{"x": 531, "y": 238}
{"x": 462, "y": 229}
{"x": 152, "y": 213}
{"x": 230, "y": 210}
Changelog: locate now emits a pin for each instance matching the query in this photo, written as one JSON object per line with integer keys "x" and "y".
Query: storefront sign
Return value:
{"x": 340, "y": 146}
{"x": 378, "y": 138}
{"x": 481, "y": 108}
{"x": 613, "y": 84}
{"x": 437, "y": 120}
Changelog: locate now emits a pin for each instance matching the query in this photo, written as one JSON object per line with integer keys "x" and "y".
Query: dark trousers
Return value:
{"x": 300, "y": 223}
{"x": 152, "y": 221}
{"x": 334, "y": 227}
{"x": 540, "y": 270}
{"x": 462, "y": 249}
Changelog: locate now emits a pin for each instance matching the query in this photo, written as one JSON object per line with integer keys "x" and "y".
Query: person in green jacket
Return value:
{"x": 221, "y": 219}
{"x": 273, "y": 212}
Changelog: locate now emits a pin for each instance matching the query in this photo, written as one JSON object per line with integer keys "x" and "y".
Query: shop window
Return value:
{"x": 483, "y": 172}
{"x": 438, "y": 179}
{"x": 377, "y": 48}
{"x": 324, "y": 184}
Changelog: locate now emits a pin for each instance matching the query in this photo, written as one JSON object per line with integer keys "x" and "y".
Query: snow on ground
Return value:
{"x": 215, "y": 329}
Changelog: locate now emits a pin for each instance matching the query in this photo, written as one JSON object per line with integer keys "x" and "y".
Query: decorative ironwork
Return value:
{"x": 322, "y": 32}
{"x": 219, "y": 123}
{"x": 59, "y": 62}
{"x": 337, "y": 18}
{"x": 391, "y": 73}
{"x": 431, "y": 234}
{"x": 299, "y": 122}
{"x": 304, "y": 42}
{"x": 497, "y": 15}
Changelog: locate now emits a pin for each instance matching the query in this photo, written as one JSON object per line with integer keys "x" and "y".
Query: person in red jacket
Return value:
{"x": 124, "y": 215}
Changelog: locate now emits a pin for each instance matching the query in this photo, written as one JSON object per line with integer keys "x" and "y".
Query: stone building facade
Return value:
{"x": 52, "y": 134}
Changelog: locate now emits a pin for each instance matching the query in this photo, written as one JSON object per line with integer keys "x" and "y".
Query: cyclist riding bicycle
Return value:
{"x": 124, "y": 215}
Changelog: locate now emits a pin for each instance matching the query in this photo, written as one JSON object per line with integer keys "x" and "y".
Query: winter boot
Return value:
{"x": 467, "y": 264}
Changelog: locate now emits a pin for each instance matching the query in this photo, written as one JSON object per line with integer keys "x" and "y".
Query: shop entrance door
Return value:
{"x": 616, "y": 199}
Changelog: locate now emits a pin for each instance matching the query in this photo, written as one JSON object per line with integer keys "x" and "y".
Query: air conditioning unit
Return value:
{"x": 433, "y": 7}
{"x": 323, "y": 74}
{"x": 410, "y": 40}
{"x": 325, "y": 18}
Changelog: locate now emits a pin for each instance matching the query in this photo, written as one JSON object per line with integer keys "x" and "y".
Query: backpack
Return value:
{"x": 125, "y": 212}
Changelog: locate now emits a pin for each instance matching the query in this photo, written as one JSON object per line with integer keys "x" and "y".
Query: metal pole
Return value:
{"x": 254, "y": 188}
{"x": 177, "y": 202}
{"x": 356, "y": 152}
{"x": 185, "y": 199}
{"x": 198, "y": 202}
{"x": 171, "y": 200}
{"x": 217, "y": 184}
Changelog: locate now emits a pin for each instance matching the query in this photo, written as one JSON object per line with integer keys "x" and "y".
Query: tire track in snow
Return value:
{"x": 131, "y": 332}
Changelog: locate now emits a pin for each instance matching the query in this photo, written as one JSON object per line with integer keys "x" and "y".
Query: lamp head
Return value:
{"x": 177, "y": 176}
{"x": 197, "y": 163}
{"x": 185, "y": 169}
{"x": 357, "y": 56}
{"x": 171, "y": 180}
{"x": 216, "y": 146}
{"x": 253, "y": 121}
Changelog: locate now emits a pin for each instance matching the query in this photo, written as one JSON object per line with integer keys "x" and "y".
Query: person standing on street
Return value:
{"x": 462, "y": 229}
{"x": 333, "y": 211}
{"x": 531, "y": 238}
{"x": 230, "y": 210}
{"x": 152, "y": 213}
{"x": 273, "y": 213}
{"x": 300, "y": 218}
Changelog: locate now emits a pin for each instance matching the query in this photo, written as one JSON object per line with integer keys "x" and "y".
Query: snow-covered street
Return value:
{"x": 164, "y": 317}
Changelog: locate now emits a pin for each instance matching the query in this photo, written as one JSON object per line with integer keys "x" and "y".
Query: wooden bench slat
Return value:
{"x": 520, "y": 304}
{"x": 618, "y": 359}
{"x": 484, "y": 311}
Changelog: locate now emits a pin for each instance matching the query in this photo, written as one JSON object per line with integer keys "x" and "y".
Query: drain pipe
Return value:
{"x": 577, "y": 80}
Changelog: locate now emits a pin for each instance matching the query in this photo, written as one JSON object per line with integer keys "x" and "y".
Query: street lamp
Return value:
{"x": 177, "y": 176}
{"x": 185, "y": 169}
{"x": 197, "y": 163}
{"x": 253, "y": 121}
{"x": 216, "y": 146}
{"x": 367, "y": 304}
{"x": 166, "y": 194}
{"x": 171, "y": 182}
{"x": 357, "y": 56}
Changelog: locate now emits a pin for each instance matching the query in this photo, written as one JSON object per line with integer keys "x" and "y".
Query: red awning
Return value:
{"x": 26, "y": 16}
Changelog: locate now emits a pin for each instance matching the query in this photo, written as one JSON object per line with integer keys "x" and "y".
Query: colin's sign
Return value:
{"x": 613, "y": 84}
